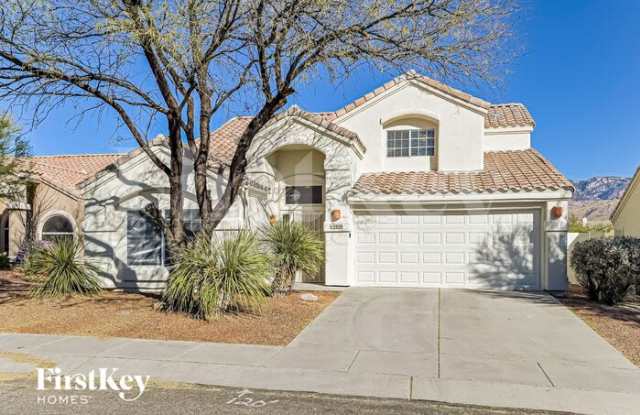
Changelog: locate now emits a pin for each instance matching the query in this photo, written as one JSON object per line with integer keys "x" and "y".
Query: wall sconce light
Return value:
{"x": 336, "y": 214}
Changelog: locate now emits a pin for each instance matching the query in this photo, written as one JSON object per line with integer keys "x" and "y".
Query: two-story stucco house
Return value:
{"x": 415, "y": 184}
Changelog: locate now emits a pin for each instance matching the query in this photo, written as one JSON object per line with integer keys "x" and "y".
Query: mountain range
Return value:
{"x": 596, "y": 198}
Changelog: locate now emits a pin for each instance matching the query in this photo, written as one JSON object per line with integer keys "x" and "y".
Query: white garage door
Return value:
{"x": 475, "y": 250}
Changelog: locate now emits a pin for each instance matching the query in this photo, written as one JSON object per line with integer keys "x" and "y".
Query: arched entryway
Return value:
{"x": 299, "y": 190}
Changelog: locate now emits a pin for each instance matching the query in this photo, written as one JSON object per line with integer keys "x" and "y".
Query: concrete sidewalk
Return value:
{"x": 512, "y": 350}
{"x": 255, "y": 367}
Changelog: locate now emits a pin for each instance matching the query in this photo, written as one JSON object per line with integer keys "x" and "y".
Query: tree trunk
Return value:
{"x": 201, "y": 159}
{"x": 176, "y": 222}
{"x": 238, "y": 168}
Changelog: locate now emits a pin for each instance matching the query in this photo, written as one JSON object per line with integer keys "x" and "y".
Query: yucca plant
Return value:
{"x": 213, "y": 275}
{"x": 63, "y": 270}
{"x": 295, "y": 247}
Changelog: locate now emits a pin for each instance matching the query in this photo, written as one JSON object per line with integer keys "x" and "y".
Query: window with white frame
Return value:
{"x": 57, "y": 227}
{"x": 411, "y": 143}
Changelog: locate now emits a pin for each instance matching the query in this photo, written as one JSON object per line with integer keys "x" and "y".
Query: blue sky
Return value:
{"x": 579, "y": 75}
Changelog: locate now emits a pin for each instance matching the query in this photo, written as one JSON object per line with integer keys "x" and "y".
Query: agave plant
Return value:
{"x": 213, "y": 275}
{"x": 62, "y": 270}
{"x": 295, "y": 247}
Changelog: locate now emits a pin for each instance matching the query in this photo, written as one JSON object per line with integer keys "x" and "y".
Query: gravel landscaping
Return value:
{"x": 619, "y": 325}
{"x": 120, "y": 314}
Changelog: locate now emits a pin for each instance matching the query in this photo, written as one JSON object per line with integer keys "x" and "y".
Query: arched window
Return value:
{"x": 57, "y": 227}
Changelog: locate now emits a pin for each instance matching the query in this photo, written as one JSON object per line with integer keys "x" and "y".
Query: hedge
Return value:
{"x": 607, "y": 268}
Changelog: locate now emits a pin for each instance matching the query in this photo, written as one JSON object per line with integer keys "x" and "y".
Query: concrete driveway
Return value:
{"x": 463, "y": 336}
{"x": 470, "y": 347}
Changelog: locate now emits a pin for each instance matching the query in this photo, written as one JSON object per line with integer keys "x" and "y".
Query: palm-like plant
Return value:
{"x": 63, "y": 270}
{"x": 213, "y": 275}
{"x": 295, "y": 247}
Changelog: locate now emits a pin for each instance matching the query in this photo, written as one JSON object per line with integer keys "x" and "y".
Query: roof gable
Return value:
{"x": 66, "y": 172}
{"x": 631, "y": 187}
{"x": 497, "y": 115}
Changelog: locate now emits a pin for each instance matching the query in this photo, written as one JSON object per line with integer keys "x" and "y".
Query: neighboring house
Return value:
{"x": 415, "y": 184}
{"x": 50, "y": 205}
{"x": 626, "y": 215}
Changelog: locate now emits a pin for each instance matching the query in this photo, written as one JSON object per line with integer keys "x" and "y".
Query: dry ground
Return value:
{"x": 133, "y": 315}
{"x": 619, "y": 325}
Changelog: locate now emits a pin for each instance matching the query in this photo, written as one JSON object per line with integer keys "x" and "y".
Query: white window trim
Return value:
{"x": 52, "y": 213}
{"x": 386, "y": 142}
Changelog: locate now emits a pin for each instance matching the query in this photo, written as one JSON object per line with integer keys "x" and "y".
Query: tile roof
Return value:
{"x": 508, "y": 115}
{"x": 498, "y": 115}
{"x": 67, "y": 171}
{"x": 225, "y": 138}
{"x": 520, "y": 170}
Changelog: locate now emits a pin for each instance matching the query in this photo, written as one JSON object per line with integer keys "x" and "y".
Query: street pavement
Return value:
{"x": 21, "y": 398}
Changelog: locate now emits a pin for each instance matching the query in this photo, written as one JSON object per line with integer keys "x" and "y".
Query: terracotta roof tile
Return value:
{"x": 225, "y": 138}
{"x": 67, "y": 171}
{"x": 498, "y": 115}
{"x": 521, "y": 170}
{"x": 409, "y": 76}
{"x": 508, "y": 115}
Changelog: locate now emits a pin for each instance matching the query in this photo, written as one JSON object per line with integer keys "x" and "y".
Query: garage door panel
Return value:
{"x": 431, "y": 238}
{"x": 410, "y": 238}
{"x": 430, "y": 277}
{"x": 410, "y": 258}
{"x": 388, "y": 276}
{"x": 389, "y": 238}
{"x": 484, "y": 250}
{"x": 455, "y": 238}
{"x": 432, "y": 219}
{"x": 432, "y": 258}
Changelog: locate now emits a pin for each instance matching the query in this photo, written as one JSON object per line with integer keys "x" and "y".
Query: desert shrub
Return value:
{"x": 62, "y": 270}
{"x": 606, "y": 268}
{"x": 212, "y": 275}
{"x": 4, "y": 261}
{"x": 295, "y": 247}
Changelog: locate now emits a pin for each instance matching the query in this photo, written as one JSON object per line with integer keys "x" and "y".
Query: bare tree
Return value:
{"x": 12, "y": 147}
{"x": 185, "y": 61}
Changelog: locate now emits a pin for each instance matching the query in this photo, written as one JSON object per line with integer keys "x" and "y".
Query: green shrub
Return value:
{"x": 295, "y": 248}
{"x": 606, "y": 268}
{"x": 4, "y": 262}
{"x": 62, "y": 270}
{"x": 212, "y": 275}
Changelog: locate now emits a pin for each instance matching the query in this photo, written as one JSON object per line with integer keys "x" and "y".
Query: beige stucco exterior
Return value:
{"x": 626, "y": 217}
{"x": 48, "y": 201}
{"x": 297, "y": 151}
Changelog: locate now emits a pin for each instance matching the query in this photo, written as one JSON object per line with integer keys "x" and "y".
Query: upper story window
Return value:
{"x": 410, "y": 143}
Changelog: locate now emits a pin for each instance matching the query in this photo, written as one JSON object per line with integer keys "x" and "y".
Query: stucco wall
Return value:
{"x": 627, "y": 223}
{"x": 133, "y": 186}
{"x": 48, "y": 201}
{"x": 505, "y": 140}
{"x": 460, "y": 129}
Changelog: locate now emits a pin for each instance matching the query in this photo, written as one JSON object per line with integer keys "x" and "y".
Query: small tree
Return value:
{"x": 12, "y": 147}
{"x": 295, "y": 248}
